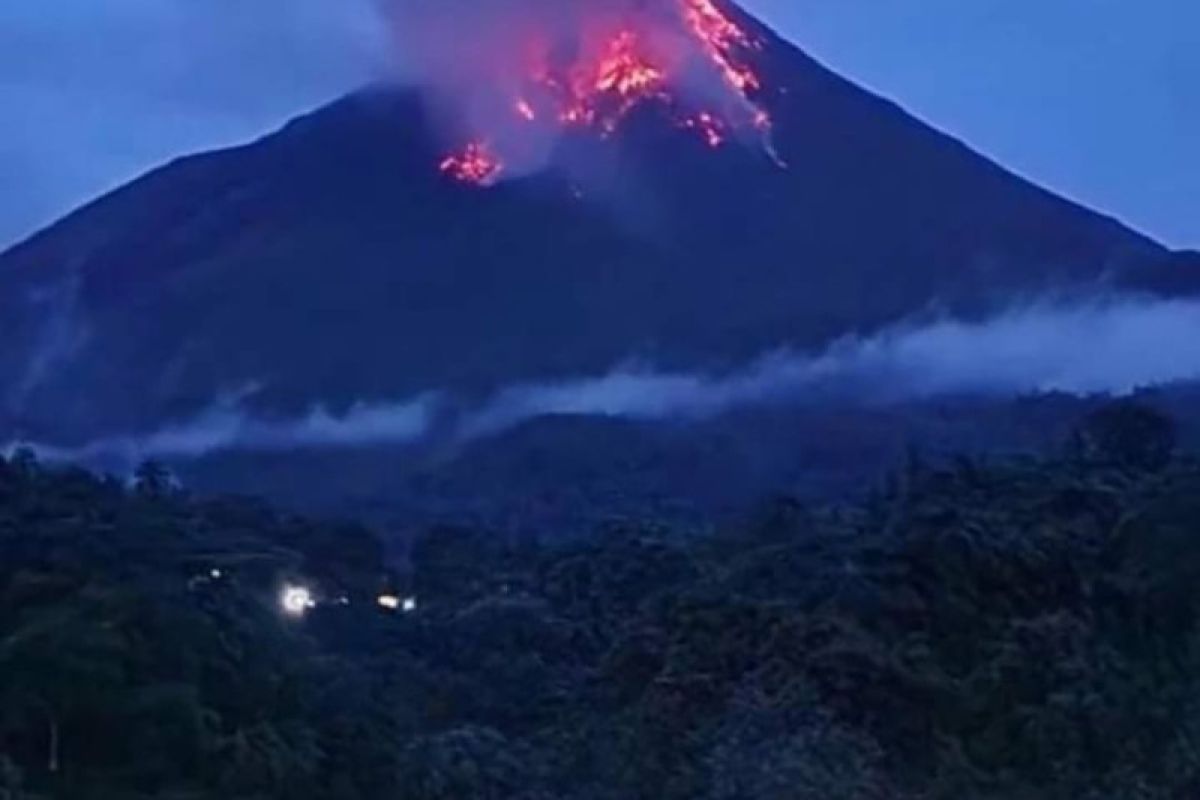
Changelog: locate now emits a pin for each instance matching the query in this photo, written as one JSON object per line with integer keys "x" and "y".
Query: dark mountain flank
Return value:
{"x": 332, "y": 261}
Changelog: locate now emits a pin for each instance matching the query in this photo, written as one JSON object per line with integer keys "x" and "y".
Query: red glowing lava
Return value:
{"x": 622, "y": 61}
{"x": 710, "y": 127}
{"x": 721, "y": 38}
{"x": 624, "y": 70}
{"x": 475, "y": 164}
{"x": 602, "y": 91}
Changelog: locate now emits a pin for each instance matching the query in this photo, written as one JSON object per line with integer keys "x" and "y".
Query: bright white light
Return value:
{"x": 296, "y": 600}
{"x": 215, "y": 574}
{"x": 393, "y": 602}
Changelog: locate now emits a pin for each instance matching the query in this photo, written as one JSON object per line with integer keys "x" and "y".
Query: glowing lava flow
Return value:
{"x": 711, "y": 128}
{"x": 721, "y": 38}
{"x": 624, "y": 70}
{"x": 624, "y": 61}
{"x": 475, "y": 164}
{"x": 603, "y": 93}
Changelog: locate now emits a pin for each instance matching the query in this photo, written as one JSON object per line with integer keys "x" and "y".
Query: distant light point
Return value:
{"x": 296, "y": 600}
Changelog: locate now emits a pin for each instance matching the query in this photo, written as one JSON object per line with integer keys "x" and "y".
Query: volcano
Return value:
{"x": 342, "y": 259}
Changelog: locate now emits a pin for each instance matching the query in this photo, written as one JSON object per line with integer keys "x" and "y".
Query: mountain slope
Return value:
{"x": 332, "y": 262}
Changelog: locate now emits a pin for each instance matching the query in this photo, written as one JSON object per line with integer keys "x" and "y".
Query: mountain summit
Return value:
{"x": 341, "y": 259}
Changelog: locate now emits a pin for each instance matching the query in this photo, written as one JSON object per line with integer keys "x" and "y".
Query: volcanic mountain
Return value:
{"x": 338, "y": 261}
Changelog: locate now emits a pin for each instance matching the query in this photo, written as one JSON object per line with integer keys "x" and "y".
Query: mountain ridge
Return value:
{"x": 329, "y": 261}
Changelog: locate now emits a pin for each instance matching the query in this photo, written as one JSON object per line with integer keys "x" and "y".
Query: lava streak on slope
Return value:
{"x": 688, "y": 56}
{"x": 721, "y": 38}
{"x": 475, "y": 164}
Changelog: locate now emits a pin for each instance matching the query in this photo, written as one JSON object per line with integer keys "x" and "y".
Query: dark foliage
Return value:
{"x": 1011, "y": 629}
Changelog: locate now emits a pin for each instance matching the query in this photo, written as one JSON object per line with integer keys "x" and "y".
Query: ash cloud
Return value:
{"x": 1106, "y": 347}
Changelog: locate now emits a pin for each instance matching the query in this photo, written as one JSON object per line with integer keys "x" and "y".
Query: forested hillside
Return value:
{"x": 1008, "y": 629}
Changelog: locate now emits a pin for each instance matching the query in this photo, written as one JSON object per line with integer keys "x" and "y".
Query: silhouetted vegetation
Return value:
{"x": 1002, "y": 629}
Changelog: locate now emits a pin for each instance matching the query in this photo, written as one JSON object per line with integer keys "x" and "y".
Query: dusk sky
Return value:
{"x": 1097, "y": 99}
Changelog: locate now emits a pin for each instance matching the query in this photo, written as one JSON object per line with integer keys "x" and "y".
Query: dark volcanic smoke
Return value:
{"x": 511, "y": 76}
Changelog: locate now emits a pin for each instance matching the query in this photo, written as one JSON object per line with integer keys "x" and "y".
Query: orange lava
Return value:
{"x": 475, "y": 164}
{"x": 625, "y": 70}
{"x": 603, "y": 92}
{"x": 721, "y": 38}
{"x": 709, "y": 126}
{"x": 624, "y": 62}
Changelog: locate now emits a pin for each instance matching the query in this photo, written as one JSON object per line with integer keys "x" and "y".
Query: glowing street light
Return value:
{"x": 296, "y": 600}
{"x": 393, "y": 602}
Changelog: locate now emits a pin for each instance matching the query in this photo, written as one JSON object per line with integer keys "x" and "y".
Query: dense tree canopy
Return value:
{"x": 1010, "y": 629}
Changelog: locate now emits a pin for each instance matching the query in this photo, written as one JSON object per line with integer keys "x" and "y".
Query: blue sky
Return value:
{"x": 1098, "y": 99}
